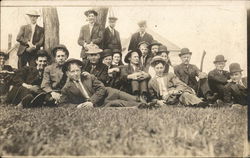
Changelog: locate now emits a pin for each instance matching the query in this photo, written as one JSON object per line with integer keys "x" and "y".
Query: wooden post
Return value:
{"x": 102, "y": 16}
{"x": 51, "y": 29}
{"x": 9, "y": 41}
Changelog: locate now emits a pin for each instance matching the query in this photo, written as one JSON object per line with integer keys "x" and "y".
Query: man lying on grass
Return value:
{"x": 166, "y": 88}
{"x": 85, "y": 90}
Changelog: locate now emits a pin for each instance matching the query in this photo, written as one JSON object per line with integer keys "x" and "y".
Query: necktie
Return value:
{"x": 82, "y": 89}
{"x": 92, "y": 69}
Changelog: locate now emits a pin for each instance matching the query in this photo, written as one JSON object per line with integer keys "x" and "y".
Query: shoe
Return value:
{"x": 20, "y": 105}
{"x": 211, "y": 98}
{"x": 142, "y": 106}
{"x": 143, "y": 98}
{"x": 202, "y": 105}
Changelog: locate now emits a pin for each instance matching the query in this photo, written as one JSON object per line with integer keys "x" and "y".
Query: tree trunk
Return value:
{"x": 102, "y": 16}
{"x": 51, "y": 29}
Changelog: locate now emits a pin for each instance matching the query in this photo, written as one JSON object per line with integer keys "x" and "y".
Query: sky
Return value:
{"x": 217, "y": 29}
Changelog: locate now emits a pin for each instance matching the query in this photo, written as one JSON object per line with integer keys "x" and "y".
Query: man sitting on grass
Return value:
{"x": 86, "y": 90}
{"x": 166, "y": 88}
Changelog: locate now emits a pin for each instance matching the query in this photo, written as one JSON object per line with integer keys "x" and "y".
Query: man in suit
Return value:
{"x": 146, "y": 57}
{"x": 236, "y": 90}
{"x": 94, "y": 64}
{"x": 134, "y": 79}
{"x": 27, "y": 81}
{"x": 87, "y": 91}
{"x": 91, "y": 33}
{"x": 218, "y": 78}
{"x": 31, "y": 38}
{"x": 187, "y": 73}
{"x": 140, "y": 36}
{"x": 111, "y": 37}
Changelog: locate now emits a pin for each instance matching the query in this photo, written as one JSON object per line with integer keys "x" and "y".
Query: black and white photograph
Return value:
{"x": 124, "y": 78}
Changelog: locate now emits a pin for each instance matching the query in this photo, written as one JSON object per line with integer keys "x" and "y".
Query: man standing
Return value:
{"x": 111, "y": 38}
{"x": 140, "y": 36}
{"x": 31, "y": 38}
{"x": 91, "y": 33}
{"x": 53, "y": 77}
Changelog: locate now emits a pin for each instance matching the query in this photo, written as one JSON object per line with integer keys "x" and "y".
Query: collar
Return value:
{"x": 142, "y": 34}
{"x": 111, "y": 29}
{"x": 33, "y": 25}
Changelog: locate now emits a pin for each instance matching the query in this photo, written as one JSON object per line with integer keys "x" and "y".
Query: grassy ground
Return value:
{"x": 168, "y": 131}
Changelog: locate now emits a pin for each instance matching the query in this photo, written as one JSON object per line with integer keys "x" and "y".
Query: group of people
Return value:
{"x": 145, "y": 79}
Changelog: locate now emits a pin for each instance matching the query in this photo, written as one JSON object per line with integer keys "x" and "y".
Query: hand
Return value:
{"x": 202, "y": 75}
{"x": 165, "y": 97}
{"x": 31, "y": 45}
{"x": 230, "y": 80}
{"x": 85, "y": 73}
{"x": 85, "y": 105}
{"x": 134, "y": 76}
{"x": 161, "y": 102}
{"x": 34, "y": 88}
{"x": 143, "y": 75}
{"x": 56, "y": 96}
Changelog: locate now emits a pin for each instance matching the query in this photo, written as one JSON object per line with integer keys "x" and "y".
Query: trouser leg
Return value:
{"x": 32, "y": 59}
{"x": 135, "y": 86}
{"x": 189, "y": 99}
{"x": 143, "y": 86}
{"x": 204, "y": 88}
{"x": 22, "y": 60}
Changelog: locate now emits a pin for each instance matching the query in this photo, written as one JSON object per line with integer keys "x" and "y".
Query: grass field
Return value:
{"x": 167, "y": 131}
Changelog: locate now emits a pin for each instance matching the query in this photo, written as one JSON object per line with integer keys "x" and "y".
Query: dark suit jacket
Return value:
{"x": 235, "y": 93}
{"x": 187, "y": 75}
{"x": 216, "y": 80}
{"x": 24, "y": 36}
{"x": 5, "y": 80}
{"x": 111, "y": 41}
{"x": 100, "y": 71}
{"x": 136, "y": 39}
{"x": 94, "y": 88}
{"x": 96, "y": 36}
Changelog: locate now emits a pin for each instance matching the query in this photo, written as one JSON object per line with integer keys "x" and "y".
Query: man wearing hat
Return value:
{"x": 90, "y": 33}
{"x": 154, "y": 47}
{"x": 134, "y": 79}
{"x": 236, "y": 90}
{"x": 187, "y": 73}
{"x": 31, "y": 39}
{"x": 53, "y": 77}
{"x": 111, "y": 37}
{"x": 27, "y": 81}
{"x": 146, "y": 57}
{"x": 166, "y": 88}
{"x": 140, "y": 36}
{"x": 217, "y": 78}
{"x": 94, "y": 64}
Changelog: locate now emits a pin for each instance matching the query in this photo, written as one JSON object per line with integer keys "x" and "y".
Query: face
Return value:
{"x": 41, "y": 62}
{"x": 185, "y": 58}
{"x": 134, "y": 59}
{"x": 91, "y": 18}
{"x": 220, "y": 65}
{"x": 164, "y": 55}
{"x": 107, "y": 60}
{"x": 74, "y": 72}
{"x": 33, "y": 19}
{"x": 116, "y": 58}
{"x": 112, "y": 23}
{"x": 154, "y": 49}
{"x": 60, "y": 57}
{"x": 94, "y": 58}
{"x": 144, "y": 49}
{"x": 236, "y": 76}
{"x": 2, "y": 60}
{"x": 142, "y": 28}
{"x": 159, "y": 69}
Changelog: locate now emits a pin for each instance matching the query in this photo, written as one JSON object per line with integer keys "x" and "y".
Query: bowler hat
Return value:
{"x": 60, "y": 46}
{"x": 32, "y": 13}
{"x": 5, "y": 55}
{"x": 219, "y": 58}
{"x": 128, "y": 55}
{"x": 234, "y": 67}
{"x": 106, "y": 53}
{"x": 93, "y": 49}
{"x": 185, "y": 51}
{"x": 157, "y": 58}
{"x": 113, "y": 18}
{"x": 154, "y": 42}
{"x": 163, "y": 48}
{"x": 142, "y": 23}
{"x": 143, "y": 42}
{"x": 91, "y": 11}
{"x": 69, "y": 61}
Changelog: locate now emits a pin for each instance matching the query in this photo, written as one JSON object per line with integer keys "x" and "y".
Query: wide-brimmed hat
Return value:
{"x": 91, "y": 11}
{"x": 142, "y": 23}
{"x": 154, "y": 42}
{"x": 106, "y": 53}
{"x": 93, "y": 49}
{"x": 185, "y": 51}
{"x": 113, "y": 18}
{"x": 5, "y": 55}
{"x": 69, "y": 61}
{"x": 234, "y": 67}
{"x": 219, "y": 58}
{"x": 157, "y": 58}
{"x": 162, "y": 48}
{"x": 142, "y": 42}
{"x": 128, "y": 55}
{"x": 60, "y": 46}
{"x": 33, "y": 13}
{"x": 42, "y": 53}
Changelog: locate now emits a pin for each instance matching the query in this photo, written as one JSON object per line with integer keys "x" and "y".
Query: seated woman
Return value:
{"x": 166, "y": 88}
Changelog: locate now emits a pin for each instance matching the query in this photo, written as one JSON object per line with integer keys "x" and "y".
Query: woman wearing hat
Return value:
{"x": 166, "y": 88}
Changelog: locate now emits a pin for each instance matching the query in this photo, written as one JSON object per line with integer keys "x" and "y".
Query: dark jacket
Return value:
{"x": 94, "y": 88}
{"x": 115, "y": 81}
{"x": 96, "y": 37}
{"x": 24, "y": 36}
{"x": 100, "y": 71}
{"x": 147, "y": 62}
{"x": 111, "y": 41}
{"x": 136, "y": 39}
{"x": 5, "y": 79}
{"x": 235, "y": 93}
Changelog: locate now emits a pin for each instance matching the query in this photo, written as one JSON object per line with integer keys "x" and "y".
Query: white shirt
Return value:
{"x": 142, "y": 34}
{"x": 112, "y": 30}
{"x": 33, "y": 26}
{"x": 91, "y": 27}
{"x": 82, "y": 89}
{"x": 162, "y": 87}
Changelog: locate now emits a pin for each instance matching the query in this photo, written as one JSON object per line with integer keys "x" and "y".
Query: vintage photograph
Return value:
{"x": 124, "y": 78}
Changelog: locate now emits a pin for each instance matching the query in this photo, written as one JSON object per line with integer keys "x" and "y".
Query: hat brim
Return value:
{"x": 150, "y": 46}
{"x": 66, "y": 64}
{"x": 33, "y": 15}
{"x": 128, "y": 55}
{"x": 220, "y": 61}
{"x": 86, "y": 13}
{"x": 161, "y": 60}
{"x": 235, "y": 71}
{"x": 181, "y": 54}
{"x": 96, "y": 52}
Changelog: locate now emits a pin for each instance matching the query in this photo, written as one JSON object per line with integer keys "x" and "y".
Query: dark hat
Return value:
{"x": 106, "y": 53}
{"x": 143, "y": 42}
{"x": 234, "y": 67}
{"x": 91, "y": 11}
{"x": 69, "y": 61}
{"x": 185, "y": 51}
{"x": 142, "y": 23}
{"x": 6, "y": 56}
{"x": 157, "y": 58}
{"x": 117, "y": 51}
{"x": 113, "y": 18}
{"x": 128, "y": 55}
{"x": 60, "y": 46}
{"x": 163, "y": 48}
{"x": 42, "y": 53}
{"x": 154, "y": 42}
{"x": 33, "y": 13}
{"x": 93, "y": 49}
{"x": 219, "y": 58}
